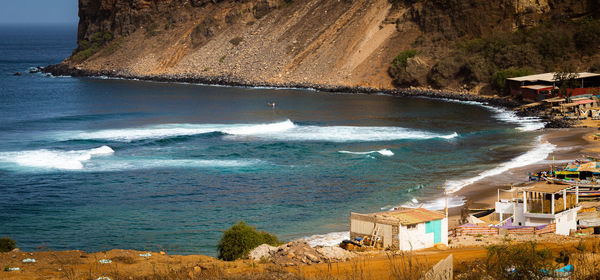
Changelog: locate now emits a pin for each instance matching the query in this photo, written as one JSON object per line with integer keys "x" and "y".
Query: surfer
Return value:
{"x": 272, "y": 104}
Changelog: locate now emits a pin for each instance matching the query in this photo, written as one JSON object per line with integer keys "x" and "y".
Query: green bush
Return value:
{"x": 89, "y": 47}
{"x": 499, "y": 78}
{"x": 402, "y": 58}
{"x": 7, "y": 244}
{"x": 397, "y": 69}
{"x": 240, "y": 239}
{"x": 493, "y": 58}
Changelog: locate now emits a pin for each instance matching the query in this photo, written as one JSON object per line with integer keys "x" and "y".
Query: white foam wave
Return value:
{"x": 92, "y": 161}
{"x": 525, "y": 123}
{"x": 54, "y": 159}
{"x": 383, "y": 152}
{"x": 328, "y": 239}
{"x": 284, "y": 131}
{"x": 140, "y": 164}
{"x": 508, "y": 116}
{"x": 438, "y": 203}
{"x": 538, "y": 154}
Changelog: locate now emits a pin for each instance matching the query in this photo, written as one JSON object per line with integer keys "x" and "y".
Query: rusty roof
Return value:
{"x": 411, "y": 216}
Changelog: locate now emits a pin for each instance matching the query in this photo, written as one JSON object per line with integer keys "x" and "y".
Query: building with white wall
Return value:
{"x": 408, "y": 229}
{"x": 540, "y": 204}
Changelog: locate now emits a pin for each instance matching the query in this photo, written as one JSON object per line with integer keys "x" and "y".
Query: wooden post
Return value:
{"x": 525, "y": 201}
{"x": 552, "y": 204}
{"x": 576, "y": 195}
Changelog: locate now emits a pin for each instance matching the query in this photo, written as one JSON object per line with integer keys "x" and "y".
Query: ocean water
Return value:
{"x": 96, "y": 164}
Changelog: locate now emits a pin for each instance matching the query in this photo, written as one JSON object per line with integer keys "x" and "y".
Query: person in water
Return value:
{"x": 272, "y": 104}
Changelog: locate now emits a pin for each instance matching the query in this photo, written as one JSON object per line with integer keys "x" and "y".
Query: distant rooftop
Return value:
{"x": 549, "y": 77}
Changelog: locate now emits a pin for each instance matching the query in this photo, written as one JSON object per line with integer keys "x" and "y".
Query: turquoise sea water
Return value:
{"x": 95, "y": 164}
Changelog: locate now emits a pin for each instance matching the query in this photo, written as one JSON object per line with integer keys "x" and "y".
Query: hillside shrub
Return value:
{"x": 7, "y": 244}
{"x": 499, "y": 78}
{"x": 397, "y": 69}
{"x": 500, "y": 55}
{"x": 587, "y": 36}
{"x": 240, "y": 239}
{"x": 401, "y": 60}
{"x": 89, "y": 47}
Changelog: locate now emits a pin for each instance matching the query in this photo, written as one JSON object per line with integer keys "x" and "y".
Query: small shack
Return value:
{"x": 541, "y": 204}
{"x": 407, "y": 229}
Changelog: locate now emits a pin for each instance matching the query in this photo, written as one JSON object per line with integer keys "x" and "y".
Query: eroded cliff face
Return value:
{"x": 334, "y": 42}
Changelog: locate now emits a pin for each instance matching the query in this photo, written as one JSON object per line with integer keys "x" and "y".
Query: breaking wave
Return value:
{"x": 436, "y": 204}
{"x": 282, "y": 131}
{"x": 100, "y": 159}
{"x": 508, "y": 116}
{"x": 139, "y": 164}
{"x": 383, "y": 152}
{"x": 537, "y": 154}
{"x": 54, "y": 159}
{"x": 328, "y": 239}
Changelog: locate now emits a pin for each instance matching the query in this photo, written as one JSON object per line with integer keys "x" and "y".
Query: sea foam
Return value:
{"x": 436, "y": 204}
{"x": 54, "y": 159}
{"x": 508, "y": 116}
{"x": 328, "y": 239}
{"x": 282, "y": 131}
{"x": 383, "y": 152}
{"x": 536, "y": 155}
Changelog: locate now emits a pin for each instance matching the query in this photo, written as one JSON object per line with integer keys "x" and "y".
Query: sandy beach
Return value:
{"x": 571, "y": 144}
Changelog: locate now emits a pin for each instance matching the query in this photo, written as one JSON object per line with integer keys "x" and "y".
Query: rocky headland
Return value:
{"x": 350, "y": 45}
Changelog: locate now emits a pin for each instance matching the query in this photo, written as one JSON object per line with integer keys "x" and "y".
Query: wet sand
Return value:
{"x": 571, "y": 144}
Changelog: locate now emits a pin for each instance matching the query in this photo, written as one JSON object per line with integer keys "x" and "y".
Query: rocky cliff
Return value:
{"x": 295, "y": 42}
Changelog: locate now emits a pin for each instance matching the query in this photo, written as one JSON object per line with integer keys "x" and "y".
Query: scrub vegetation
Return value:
{"x": 547, "y": 47}
{"x": 89, "y": 47}
{"x": 7, "y": 244}
{"x": 240, "y": 239}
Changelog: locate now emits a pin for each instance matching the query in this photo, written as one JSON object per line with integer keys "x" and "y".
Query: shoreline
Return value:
{"x": 570, "y": 144}
{"x": 494, "y": 100}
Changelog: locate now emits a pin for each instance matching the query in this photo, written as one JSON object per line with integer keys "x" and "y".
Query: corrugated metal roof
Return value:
{"x": 549, "y": 77}
{"x": 412, "y": 216}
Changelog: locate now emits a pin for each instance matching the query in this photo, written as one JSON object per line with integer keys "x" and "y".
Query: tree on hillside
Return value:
{"x": 566, "y": 79}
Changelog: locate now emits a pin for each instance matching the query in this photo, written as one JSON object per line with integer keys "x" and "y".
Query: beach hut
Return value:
{"x": 541, "y": 204}
{"x": 407, "y": 229}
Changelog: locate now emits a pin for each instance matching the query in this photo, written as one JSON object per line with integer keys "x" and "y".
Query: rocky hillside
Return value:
{"x": 374, "y": 43}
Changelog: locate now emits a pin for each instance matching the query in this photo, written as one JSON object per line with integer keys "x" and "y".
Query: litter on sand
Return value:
{"x": 13, "y": 268}
{"x": 28, "y": 260}
{"x": 103, "y": 278}
{"x": 146, "y": 255}
{"x": 105, "y": 261}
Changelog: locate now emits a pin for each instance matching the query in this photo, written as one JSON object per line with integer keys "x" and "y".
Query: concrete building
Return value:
{"x": 542, "y": 204}
{"x": 408, "y": 229}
